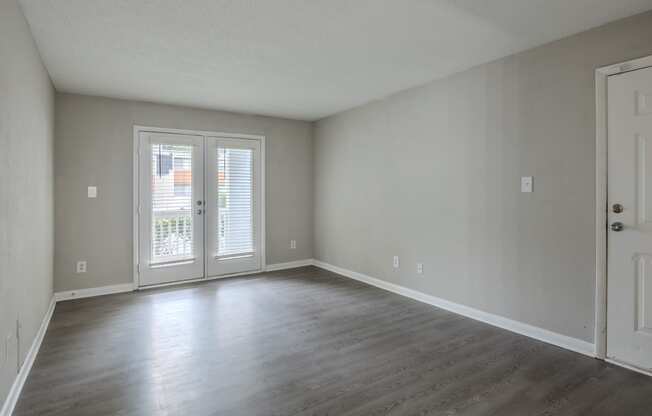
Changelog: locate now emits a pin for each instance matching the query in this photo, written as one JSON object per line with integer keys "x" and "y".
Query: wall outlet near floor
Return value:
{"x": 526, "y": 184}
{"x": 396, "y": 262}
{"x": 293, "y": 244}
{"x": 420, "y": 268}
{"x": 81, "y": 266}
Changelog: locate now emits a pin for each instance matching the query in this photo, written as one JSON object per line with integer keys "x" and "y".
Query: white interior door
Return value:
{"x": 233, "y": 199}
{"x": 629, "y": 247}
{"x": 171, "y": 221}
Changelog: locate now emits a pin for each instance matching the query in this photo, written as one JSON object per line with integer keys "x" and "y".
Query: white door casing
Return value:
{"x": 629, "y": 251}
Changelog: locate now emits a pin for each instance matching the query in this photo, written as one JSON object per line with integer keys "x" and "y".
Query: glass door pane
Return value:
{"x": 235, "y": 228}
{"x": 172, "y": 222}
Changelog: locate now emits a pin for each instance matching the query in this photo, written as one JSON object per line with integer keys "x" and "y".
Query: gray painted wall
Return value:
{"x": 26, "y": 203}
{"x": 94, "y": 146}
{"x": 432, "y": 174}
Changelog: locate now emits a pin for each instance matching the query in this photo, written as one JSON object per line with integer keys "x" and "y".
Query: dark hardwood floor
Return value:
{"x": 306, "y": 342}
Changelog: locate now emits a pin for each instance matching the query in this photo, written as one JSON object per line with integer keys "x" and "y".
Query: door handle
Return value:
{"x": 617, "y": 226}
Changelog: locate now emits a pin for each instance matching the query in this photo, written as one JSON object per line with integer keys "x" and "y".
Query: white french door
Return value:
{"x": 629, "y": 243}
{"x": 199, "y": 203}
{"x": 171, "y": 225}
{"x": 232, "y": 195}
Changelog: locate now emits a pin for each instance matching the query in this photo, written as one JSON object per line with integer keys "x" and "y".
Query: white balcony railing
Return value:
{"x": 172, "y": 236}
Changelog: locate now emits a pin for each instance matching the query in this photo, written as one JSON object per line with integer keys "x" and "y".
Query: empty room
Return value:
{"x": 325, "y": 207}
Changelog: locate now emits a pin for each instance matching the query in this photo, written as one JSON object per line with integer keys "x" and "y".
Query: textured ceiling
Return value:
{"x": 302, "y": 59}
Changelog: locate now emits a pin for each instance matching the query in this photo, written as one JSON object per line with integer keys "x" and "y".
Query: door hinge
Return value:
{"x": 139, "y": 210}
{"x": 138, "y": 268}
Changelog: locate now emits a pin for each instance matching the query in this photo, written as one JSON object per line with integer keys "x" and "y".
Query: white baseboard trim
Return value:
{"x": 563, "y": 341}
{"x": 289, "y": 265}
{"x": 94, "y": 291}
{"x": 19, "y": 382}
{"x": 129, "y": 287}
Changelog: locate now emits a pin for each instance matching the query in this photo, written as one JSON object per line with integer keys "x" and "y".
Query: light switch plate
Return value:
{"x": 526, "y": 184}
{"x": 92, "y": 191}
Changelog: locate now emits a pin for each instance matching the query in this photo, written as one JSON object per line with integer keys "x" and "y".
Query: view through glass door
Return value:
{"x": 198, "y": 212}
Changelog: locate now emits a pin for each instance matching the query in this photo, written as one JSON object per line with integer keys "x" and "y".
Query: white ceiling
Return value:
{"x": 302, "y": 59}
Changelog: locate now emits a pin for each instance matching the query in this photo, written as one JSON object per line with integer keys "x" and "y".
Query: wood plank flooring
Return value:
{"x": 306, "y": 342}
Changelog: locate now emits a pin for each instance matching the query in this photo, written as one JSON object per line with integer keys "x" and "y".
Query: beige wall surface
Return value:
{"x": 94, "y": 146}
{"x": 26, "y": 202}
{"x": 432, "y": 175}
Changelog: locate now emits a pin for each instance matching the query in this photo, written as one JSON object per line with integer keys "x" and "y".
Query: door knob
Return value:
{"x": 199, "y": 212}
{"x": 617, "y": 208}
{"x": 617, "y": 226}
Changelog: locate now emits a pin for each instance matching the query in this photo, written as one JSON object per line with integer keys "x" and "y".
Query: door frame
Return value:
{"x": 601, "y": 176}
{"x": 137, "y": 129}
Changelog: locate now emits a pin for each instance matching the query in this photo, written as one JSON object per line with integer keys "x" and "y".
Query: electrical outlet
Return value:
{"x": 396, "y": 262}
{"x": 420, "y": 268}
{"x": 81, "y": 266}
{"x": 293, "y": 244}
